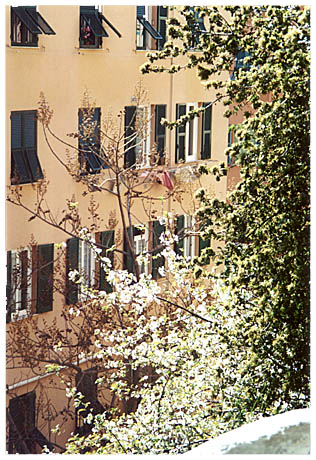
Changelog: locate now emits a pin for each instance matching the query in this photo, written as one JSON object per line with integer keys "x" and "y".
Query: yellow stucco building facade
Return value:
{"x": 65, "y": 52}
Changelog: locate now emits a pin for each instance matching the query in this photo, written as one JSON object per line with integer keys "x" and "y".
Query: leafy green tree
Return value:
{"x": 265, "y": 223}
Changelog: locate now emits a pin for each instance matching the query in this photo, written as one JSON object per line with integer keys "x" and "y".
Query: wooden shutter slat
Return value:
{"x": 129, "y": 123}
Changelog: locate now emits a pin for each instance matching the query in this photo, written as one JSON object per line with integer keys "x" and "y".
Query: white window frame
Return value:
{"x": 189, "y": 242}
{"x": 195, "y": 126}
{"x": 142, "y": 143}
{"x": 86, "y": 267}
{"x": 16, "y": 289}
{"x": 141, "y": 246}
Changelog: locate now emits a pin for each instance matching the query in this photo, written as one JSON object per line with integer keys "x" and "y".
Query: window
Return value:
{"x": 26, "y": 25}
{"x": 231, "y": 140}
{"x": 239, "y": 63}
{"x": 203, "y": 244}
{"x": 186, "y": 135}
{"x": 186, "y": 244}
{"x": 24, "y": 436}
{"x": 139, "y": 237}
{"x": 89, "y": 141}
{"x": 19, "y": 284}
{"x": 25, "y": 166}
{"x": 79, "y": 257}
{"x": 86, "y": 385}
{"x": 160, "y": 134}
{"x": 29, "y": 273}
{"x": 145, "y": 29}
{"x": 137, "y": 134}
{"x": 91, "y": 28}
{"x": 158, "y": 260}
{"x": 206, "y": 131}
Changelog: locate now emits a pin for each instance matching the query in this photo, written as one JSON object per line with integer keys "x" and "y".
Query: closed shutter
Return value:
{"x": 107, "y": 240}
{"x": 157, "y": 260}
{"x": 128, "y": 259}
{"x": 72, "y": 263}
{"x": 206, "y": 132}
{"x": 180, "y": 134}
{"x": 9, "y": 287}
{"x": 16, "y": 130}
{"x": 204, "y": 243}
{"x": 89, "y": 147}
{"x": 160, "y": 132}
{"x": 22, "y": 423}
{"x": 45, "y": 277}
{"x": 179, "y": 231}
{"x": 130, "y": 137}
{"x": 162, "y": 16}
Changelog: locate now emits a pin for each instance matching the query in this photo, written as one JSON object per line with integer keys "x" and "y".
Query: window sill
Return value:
{"x": 18, "y": 48}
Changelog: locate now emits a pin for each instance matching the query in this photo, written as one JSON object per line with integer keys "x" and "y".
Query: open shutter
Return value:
{"x": 179, "y": 231}
{"x": 159, "y": 261}
{"x": 91, "y": 16}
{"x": 128, "y": 259}
{"x": 130, "y": 136}
{"x": 19, "y": 166}
{"x": 40, "y": 21}
{"x": 107, "y": 240}
{"x": 180, "y": 134}
{"x": 24, "y": 15}
{"x": 89, "y": 148}
{"x": 72, "y": 263}
{"x": 206, "y": 132}
{"x": 45, "y": 277}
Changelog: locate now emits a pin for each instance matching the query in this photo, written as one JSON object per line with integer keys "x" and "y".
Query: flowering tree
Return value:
{"x": 246, "y": 354}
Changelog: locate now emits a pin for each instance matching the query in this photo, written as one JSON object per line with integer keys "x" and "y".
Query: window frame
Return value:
{"x": 187, "y": 242}
{"x": 206, "y": 131}
{"x": 142, "y": 240}
{"x": 86, "y": 267}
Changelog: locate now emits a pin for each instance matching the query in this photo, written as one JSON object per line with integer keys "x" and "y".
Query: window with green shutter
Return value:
{"x": 157, "y": 259}
{"x": 144, "y": 27}
{"x": 180, "y": 134}
{"x": 91, "y": 27}
{"x": 19, "y": 284}
{"x": 45, "y": 278}
{"x": 203, "y": 244}
{"x": 26, "y": 25}
{"x": 186, "y": 243}
{"x": 25, "y": 165}
{"x": 206, "y": 131}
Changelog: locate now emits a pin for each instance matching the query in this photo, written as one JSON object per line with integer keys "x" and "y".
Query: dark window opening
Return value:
{"x": 25, "y": 165}
{"x": 26, "y": 25}
{"x": 91, "y": 28}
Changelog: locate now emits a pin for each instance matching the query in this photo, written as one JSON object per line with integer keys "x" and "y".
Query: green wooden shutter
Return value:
{"x": 159, "y": 261}
{"x": 162, "y": 17}
{"x": 72, "y": 263}
{"x": 204, "y": 243}
{"x": 106, "y": 239}
{"x": 19, "y": 166}
{"x": 160, "y": 132}
{"x": 206, "y": 132}
{"x": 179, "y": 231}
{"x": 22, "y": 412}
{"x": 128, "y": 259}
{"x": 9, "y": 286}
{"x": 45, "y": 277}
{"x": 180, "y": 134}
{"x": 129, "y": 123}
